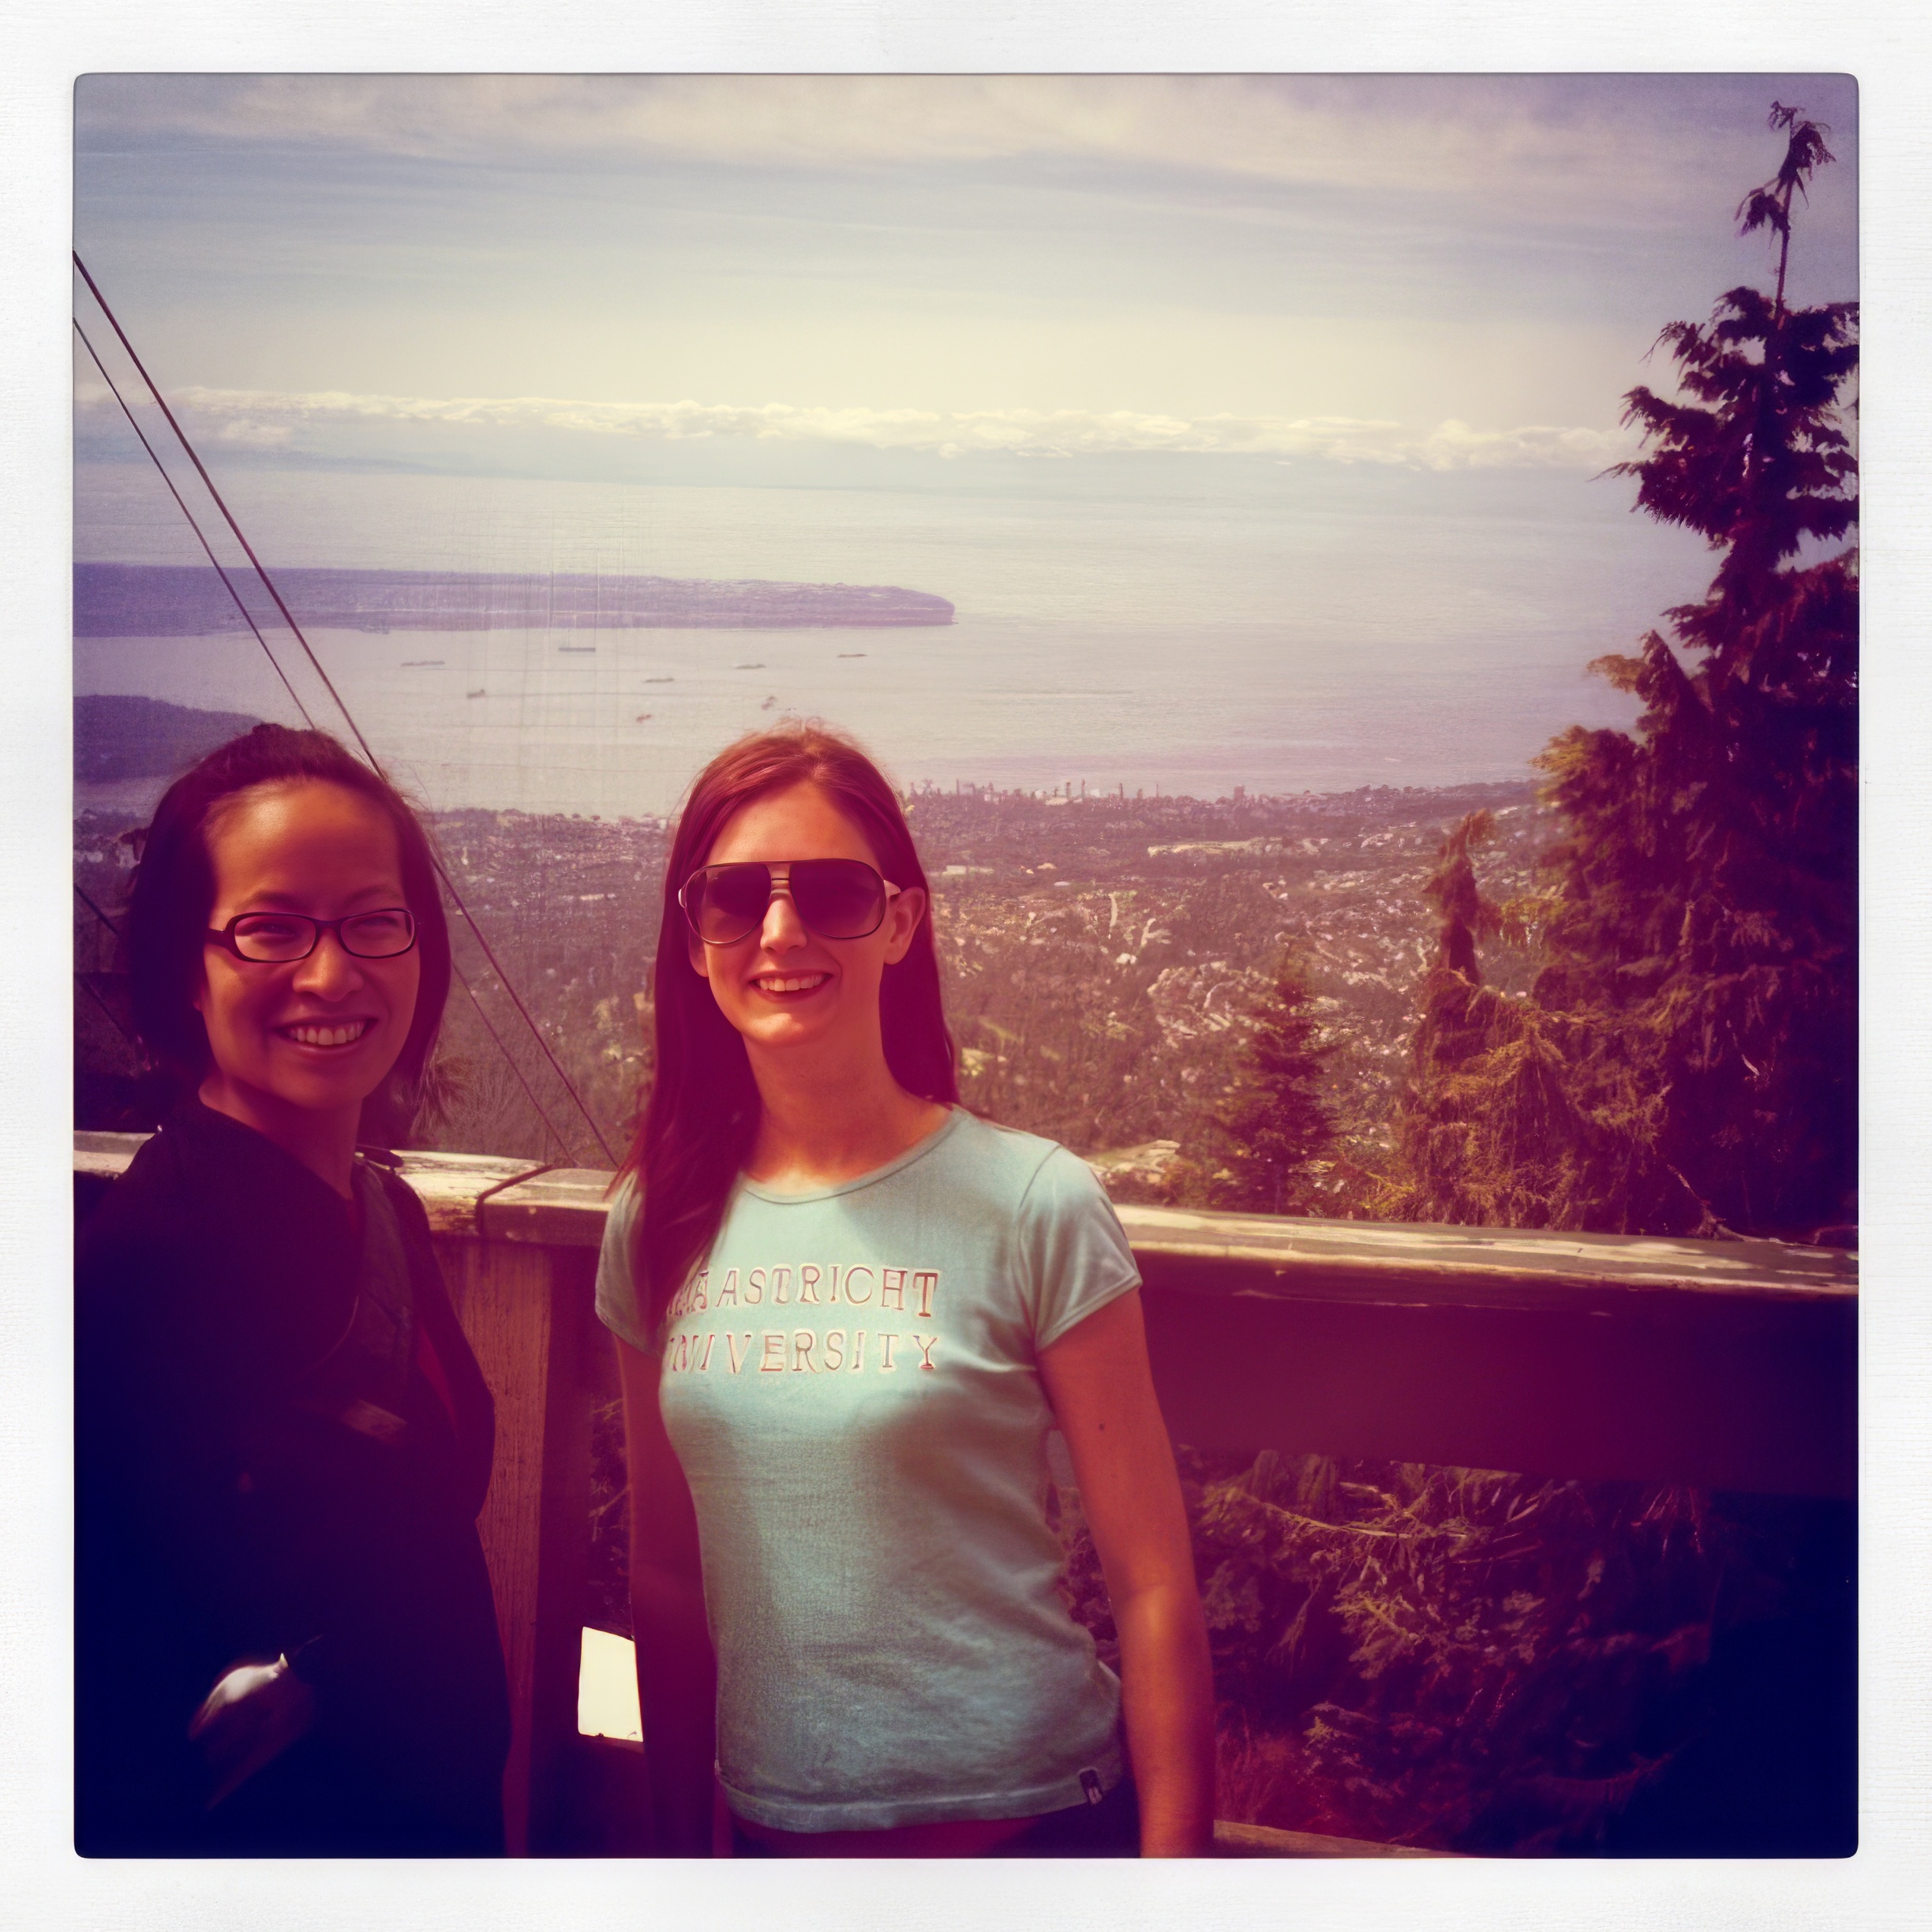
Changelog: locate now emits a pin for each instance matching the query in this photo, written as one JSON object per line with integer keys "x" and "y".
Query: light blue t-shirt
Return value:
{"x": 851, "y": 1385}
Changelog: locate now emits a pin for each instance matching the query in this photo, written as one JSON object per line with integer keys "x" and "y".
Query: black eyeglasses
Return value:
{"x": 277, "y": 938}
{"x": 837, "y": 898}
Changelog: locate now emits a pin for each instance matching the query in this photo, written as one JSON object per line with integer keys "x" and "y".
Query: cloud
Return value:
{"x": 1604, "y": 145}
{"x": 268, "y": 418}
{"x": 244, "y": 432}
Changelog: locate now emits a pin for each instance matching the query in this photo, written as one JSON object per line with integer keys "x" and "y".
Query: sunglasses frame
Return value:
{"x": 888, "y": 892}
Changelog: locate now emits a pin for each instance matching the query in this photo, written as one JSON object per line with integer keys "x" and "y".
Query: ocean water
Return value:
{"x": 1287, "y": 632}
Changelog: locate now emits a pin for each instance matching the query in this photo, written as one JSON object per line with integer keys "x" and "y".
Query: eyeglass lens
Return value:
{"x": 272, "y": 936}
{"x": 836, "y": 898}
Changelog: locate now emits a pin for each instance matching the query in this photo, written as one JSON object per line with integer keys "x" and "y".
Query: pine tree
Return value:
{"x": 1685, "y": 1061}
{"x": 1277, "y": 1124}
{"x": 1703, "y": 921}
{"x": 1495, "y": 1128}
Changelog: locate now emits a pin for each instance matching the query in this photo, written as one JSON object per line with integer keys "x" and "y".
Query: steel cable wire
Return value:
{"x": 247, "y": 617}
{"x": 449, "y": 885}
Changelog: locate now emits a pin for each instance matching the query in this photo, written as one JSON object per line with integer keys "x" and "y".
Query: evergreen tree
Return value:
{"x": 1495, "y": 1128}
{"x": 1685, "y": 1063}
{"x": 1705, "y": 915}
{"x": 1277, "y": 1124}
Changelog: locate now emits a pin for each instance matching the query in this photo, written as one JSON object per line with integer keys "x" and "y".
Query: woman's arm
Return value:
{"x": 677, "y": 1674}
{"x": 1102, "y": 1390}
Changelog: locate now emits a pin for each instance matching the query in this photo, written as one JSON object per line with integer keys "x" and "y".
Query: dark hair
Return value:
{"x": 702, "y": 1112}
{"x": 173, "y": 893}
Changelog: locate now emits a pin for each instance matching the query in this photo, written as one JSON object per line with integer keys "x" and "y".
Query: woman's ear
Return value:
{"x": 695, "y": 952}
{"x": 902, "y": 922}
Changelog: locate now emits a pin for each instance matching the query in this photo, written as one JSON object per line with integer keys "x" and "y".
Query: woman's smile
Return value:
{"x": 789, "y": 985}
{"x": 327, "y": 1036}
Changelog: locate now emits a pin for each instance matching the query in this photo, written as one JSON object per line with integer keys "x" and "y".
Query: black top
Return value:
{"x": 237, "y": 1499}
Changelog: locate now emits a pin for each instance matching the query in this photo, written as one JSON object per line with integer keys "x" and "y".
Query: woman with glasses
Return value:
{"x": 286, "y": 1643}
{"x": 849, "y": 1315}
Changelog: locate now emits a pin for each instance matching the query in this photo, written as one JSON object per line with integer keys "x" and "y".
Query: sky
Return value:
{"x": 703, "y": 278}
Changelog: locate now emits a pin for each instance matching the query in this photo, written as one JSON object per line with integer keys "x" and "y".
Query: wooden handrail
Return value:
{"x": 1289, "y": 1256}
{"x": 1723, "y": 1365}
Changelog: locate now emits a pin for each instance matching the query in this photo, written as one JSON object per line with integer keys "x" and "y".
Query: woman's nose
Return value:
{"x": 330, "y": 971}
{"x": 783, "y": 930}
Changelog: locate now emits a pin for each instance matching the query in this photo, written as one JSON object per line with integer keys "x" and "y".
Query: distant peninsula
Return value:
{"x": 119, "y": 738}
{"x": 167, "y": 599}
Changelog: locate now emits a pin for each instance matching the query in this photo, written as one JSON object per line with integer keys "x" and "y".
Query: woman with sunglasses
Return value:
{"x": 286, "y": 1643}
{"x": 849, "y": 1315}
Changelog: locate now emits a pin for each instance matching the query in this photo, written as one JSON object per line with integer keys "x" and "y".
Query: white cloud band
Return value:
{"x": 268, "y": 419}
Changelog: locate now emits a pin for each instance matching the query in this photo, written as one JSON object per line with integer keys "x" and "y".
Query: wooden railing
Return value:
{"x": 1727, "y": 1365}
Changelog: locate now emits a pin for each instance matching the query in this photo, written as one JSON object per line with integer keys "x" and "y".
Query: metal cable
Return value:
{"x": 221, "y": 504}
{"x": 95, "y": 910}
{"x": 449, "y": 884}
{"x": 516, "y": 1000}
{"x": 247, "y": 615}
{"x": 80, "y": 980}
{"x": 528, "y": 1092}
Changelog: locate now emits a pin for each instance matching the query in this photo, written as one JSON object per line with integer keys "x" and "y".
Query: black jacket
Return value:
{"x": 219, "y": 1520}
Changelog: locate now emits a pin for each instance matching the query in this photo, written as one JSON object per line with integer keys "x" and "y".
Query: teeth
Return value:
{"x": 328, "y": 1035}
{"x": 794, "y": 986}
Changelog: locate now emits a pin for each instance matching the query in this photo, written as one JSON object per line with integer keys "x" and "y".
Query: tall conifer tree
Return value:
{"x": 1705, "y": 915}
{"x": 1697, "y": 1000}
{"x": 1278, "y": 1124}
{"x": 1494, "y": 1128}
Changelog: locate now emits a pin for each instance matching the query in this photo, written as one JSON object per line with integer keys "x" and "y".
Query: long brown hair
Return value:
{"x": 703, "y": 1114}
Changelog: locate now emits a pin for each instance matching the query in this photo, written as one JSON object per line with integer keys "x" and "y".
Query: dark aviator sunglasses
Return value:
{"x": 836, "y": 898}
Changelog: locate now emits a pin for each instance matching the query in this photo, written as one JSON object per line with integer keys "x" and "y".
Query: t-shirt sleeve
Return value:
{"x": 619, "y": 1306}
{"x": 1075, "y": 1256}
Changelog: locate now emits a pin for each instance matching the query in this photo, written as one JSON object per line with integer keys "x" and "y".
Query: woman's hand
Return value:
{"x": 677, "y": 1672}
{"x": 253, "y": 1714}
{"x": 1102, "y": 1390}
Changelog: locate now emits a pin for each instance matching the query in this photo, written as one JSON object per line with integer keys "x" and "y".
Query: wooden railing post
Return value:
{"x": 523, "y": 1308}
{"x": 522, "y": 1277}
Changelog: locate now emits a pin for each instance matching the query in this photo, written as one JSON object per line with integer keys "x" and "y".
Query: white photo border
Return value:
{"x": 1883, "y": 43}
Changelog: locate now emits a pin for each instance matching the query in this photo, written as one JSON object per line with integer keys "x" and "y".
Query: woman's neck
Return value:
{"x": 324, "y": 1142}
{"x": 815, "y": 1132}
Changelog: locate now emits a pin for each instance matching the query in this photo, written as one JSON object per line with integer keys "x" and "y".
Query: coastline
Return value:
{"x": 171, "y": 599}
